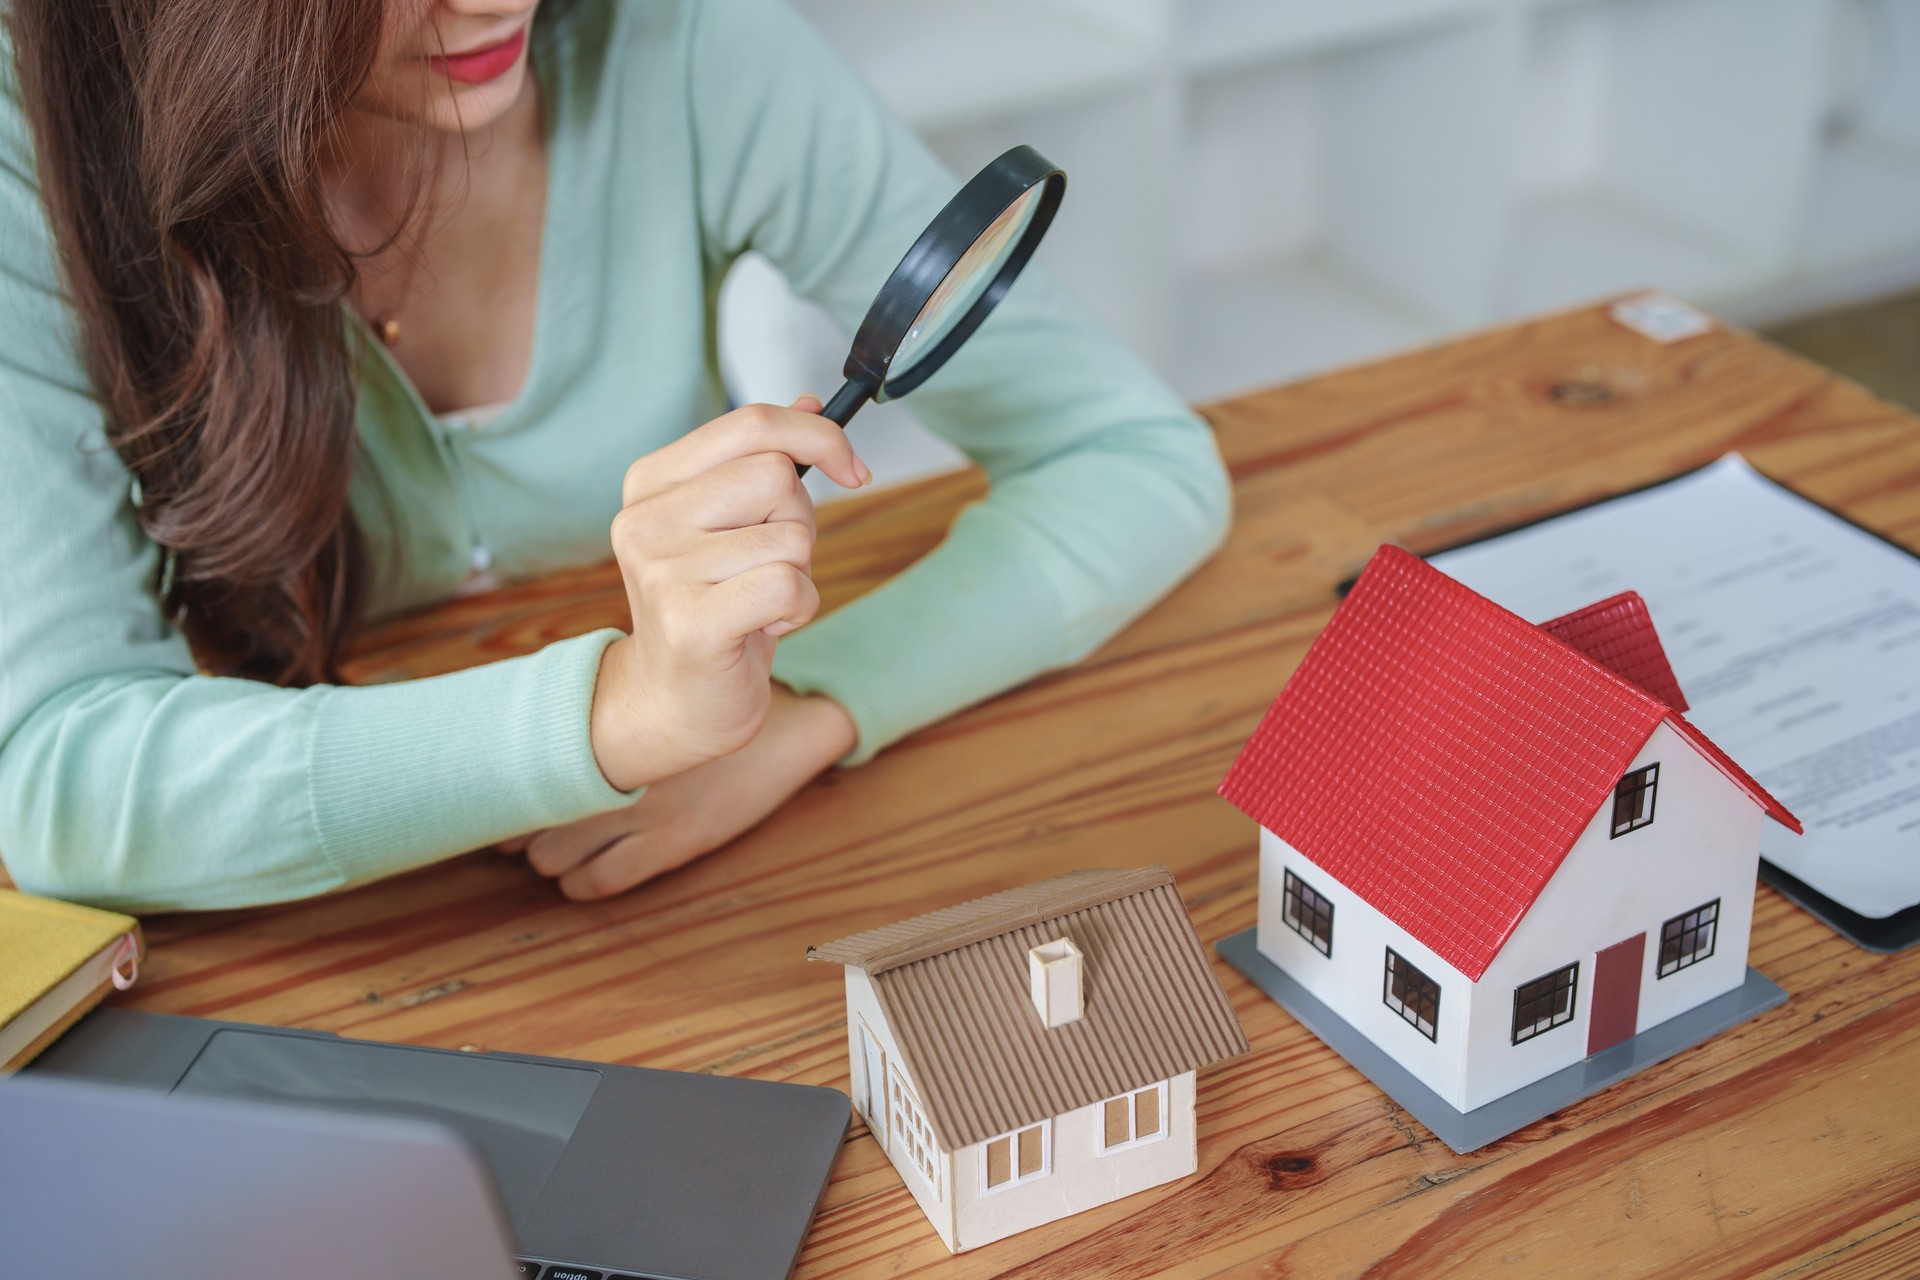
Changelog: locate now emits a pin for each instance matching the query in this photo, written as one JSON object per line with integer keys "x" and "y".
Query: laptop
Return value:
{"x": 592, "y": 1171}
{"x": 104, "y": 1181}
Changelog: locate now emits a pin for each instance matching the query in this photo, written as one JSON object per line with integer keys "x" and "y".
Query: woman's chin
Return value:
{"x": 473, "y": 107}
{"x": 448, "y": 106}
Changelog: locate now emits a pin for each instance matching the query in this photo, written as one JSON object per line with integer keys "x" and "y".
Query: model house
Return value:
{"x": 1494, "y": 850}
{"x": 1031, "y": 1054}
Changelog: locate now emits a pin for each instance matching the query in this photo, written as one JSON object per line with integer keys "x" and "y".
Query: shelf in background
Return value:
{"x": 941, "y": 65}
{"x": 1265, "y": 188}
{"x": 1580, "y": 243}
{"x": 1278, "y": 320}
{"x": 1218, "y": 35}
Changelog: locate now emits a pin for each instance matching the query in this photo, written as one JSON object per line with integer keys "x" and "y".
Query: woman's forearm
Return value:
{"x": 152, "y": 791}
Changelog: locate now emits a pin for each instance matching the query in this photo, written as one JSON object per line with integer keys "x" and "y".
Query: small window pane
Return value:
{"x": 1029, "y": 1151}
{"x": 1114, "y": 1124}
{"x": 1146, "y": 1113}
{"x": 1412, "y": 994}
{"x": 1687, "y": 939}
{"x": 1307, "y": 913}
{"x": 1633, "y": 800}
{"x": 1545, "y": 1003}
{"x": 999, "y": 1163}
{"x": 1626, "y": 805}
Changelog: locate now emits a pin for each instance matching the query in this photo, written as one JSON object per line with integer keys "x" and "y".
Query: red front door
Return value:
{"x": 1616, "y": 993}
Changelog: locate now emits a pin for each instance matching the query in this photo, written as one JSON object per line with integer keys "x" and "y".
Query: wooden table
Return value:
{"x": 1791, "y": 1144}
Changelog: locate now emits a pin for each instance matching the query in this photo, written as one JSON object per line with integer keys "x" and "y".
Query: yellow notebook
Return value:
{"x": 57, "y": 961}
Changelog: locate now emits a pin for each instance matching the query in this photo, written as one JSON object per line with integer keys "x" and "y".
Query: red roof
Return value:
{"x": 1439, "y": 755}
{"x": 1618, "y": 634}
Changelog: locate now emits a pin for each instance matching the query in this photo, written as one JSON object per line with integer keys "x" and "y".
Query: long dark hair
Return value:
{"x": 179, "y": 149}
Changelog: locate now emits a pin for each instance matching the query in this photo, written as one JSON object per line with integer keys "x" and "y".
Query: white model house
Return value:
{"x": 1494, "y": 848}
{"x": 1031, "y": 1054}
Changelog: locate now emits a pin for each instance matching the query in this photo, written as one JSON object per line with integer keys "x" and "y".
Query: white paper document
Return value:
{"x": 1795, "y": 636}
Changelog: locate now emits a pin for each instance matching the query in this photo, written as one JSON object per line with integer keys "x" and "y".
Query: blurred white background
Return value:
{"x": 1259, "y": 189}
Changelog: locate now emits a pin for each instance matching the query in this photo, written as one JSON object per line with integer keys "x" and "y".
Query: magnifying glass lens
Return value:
{"x": 952, "y": 276}
{"x": 964, "y": 284}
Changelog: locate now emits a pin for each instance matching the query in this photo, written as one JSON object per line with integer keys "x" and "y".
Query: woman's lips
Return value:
{"x": 482, "y": 65}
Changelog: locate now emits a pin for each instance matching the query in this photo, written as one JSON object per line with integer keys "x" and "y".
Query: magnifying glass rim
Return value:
{"x": 933, "y": 257}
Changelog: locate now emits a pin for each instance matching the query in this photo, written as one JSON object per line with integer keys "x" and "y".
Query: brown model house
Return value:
{"x": 1031, "y": 1054}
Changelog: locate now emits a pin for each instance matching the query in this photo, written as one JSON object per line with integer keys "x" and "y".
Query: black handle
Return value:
{"x": 840, "y": 410}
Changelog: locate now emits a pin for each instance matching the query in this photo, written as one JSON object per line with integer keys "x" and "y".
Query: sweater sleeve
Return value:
{"x": 1105, "y": 489}
{"x": 128, "y": 779}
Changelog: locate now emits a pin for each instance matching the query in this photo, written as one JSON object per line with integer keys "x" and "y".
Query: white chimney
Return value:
{"x": 1053, "y": 972}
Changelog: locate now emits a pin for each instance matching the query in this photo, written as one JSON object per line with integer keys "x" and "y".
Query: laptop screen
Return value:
{"x": 518, "y": 1114}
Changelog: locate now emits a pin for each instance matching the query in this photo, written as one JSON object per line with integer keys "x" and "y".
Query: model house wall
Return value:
{"x": 1080, "y": 1175}
{"x": 867, "y": 1032}
{"x": 1701, "y": 846}
{"x": 1350, "y": 981}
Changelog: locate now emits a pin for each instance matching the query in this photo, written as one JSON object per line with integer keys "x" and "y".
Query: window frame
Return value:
{"x": 1399, "y": 1006}
{"x": 868, "y": 1038}
{"x": 1649, "y": 788}
{"x": 1532, "y": 1028}
{"x": 1100, "y": 1146}
{"x": 1016, "y": 1178}
{"x": 907, "y": 1125}
{"x": 1661, "y": 967}
{"x": 1295, "y": 914}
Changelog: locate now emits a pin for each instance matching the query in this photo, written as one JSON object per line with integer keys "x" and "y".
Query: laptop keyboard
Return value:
{"x": 561, "y": 1271}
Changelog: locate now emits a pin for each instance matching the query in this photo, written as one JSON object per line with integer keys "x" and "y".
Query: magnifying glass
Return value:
{"x": 955, "y": 273}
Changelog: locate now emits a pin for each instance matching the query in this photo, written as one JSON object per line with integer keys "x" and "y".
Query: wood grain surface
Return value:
{"x": 1788, "y": 1146}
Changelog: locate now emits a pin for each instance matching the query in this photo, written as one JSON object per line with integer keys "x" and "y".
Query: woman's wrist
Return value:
{"x": 629, "y": 754}
{"x": 808, "y": 731}
{"x": 815, "y": 728}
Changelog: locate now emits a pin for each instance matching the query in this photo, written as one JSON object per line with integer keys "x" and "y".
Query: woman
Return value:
{"x": 314, "y": 313}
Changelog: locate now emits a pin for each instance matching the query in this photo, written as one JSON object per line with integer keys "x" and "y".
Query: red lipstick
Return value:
{"x": 477, "y": 66}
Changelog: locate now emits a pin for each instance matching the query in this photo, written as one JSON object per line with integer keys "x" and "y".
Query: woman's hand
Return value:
{"x": 715, "y": 545}
{"x": 683, "y": 817}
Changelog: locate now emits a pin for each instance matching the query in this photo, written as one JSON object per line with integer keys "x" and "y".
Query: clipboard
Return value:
{"x": 1885, "y": 934}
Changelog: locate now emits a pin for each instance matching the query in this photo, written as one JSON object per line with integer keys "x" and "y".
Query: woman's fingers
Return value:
{"x": 800, "y": 434}
{"x": 775, "y": 598}
{"x": 558, "y": 850}
{"x": 620, "y": 866}
{"x": 515, "y": 844}
{"x": 737, "y": 493}
{"x": 625, "y": 863}
{"x": 720, "y": 556}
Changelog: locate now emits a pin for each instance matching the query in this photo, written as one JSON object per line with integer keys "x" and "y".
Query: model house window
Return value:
{"x": 1544, "y": 1003}
{"x": 912, "y": 1135}
{"x": 1633, "y": 800}
{"x": 1307, "y": 913}
{"x": 1413, "y": 995}
{"x": 1688, "y": 939}
{"x": 1133, "y": 1118}
{"x": 1020, "y": 1156}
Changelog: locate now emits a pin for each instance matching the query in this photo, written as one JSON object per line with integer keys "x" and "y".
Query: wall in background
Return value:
{"x": 1260, "y": 189}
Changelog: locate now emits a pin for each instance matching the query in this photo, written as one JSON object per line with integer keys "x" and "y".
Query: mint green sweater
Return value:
{"x": 682, "y": 133}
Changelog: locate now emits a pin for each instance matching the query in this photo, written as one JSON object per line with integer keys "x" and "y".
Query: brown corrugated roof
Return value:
{"x": 953, "y": 987}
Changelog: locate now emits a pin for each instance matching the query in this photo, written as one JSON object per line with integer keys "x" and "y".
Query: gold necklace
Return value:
{"x": 386, "y": 323}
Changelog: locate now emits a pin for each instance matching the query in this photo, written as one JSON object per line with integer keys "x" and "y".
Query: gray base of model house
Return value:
{"x": 1466, "y": 1131}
